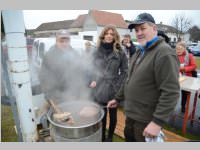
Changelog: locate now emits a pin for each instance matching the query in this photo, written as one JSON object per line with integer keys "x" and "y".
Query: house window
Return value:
{"x": 174, "y": 39}
{"x": 89, "y": 38}
{"x": 74, "y": 33}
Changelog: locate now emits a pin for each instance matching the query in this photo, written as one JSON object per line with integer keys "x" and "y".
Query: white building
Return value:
{"x": 90, "y": 25}
{"x": 85, "y": 26}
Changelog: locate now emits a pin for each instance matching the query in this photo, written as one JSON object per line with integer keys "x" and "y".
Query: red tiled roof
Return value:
{"x": 104, "y": 18}
{"x": 78, "y": 23}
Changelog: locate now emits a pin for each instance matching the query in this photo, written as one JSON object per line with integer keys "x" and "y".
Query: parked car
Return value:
{"x": 195, "y": 50}
{"x": 191, "y": 46}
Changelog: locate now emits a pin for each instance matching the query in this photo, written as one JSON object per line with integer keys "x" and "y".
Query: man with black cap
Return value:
{"x": 152, "y": 87}
{"x": 58, "y": 73}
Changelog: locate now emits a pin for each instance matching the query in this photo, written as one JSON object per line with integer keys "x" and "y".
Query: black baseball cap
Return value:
{"x": 141, "y": 18}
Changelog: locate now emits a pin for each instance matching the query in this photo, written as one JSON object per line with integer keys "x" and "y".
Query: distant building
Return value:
{"x": 171, "y": 33}
{"x": 49, "y": 29}
{"x": 96, "y": 20}
{"x": 85, "y": 26}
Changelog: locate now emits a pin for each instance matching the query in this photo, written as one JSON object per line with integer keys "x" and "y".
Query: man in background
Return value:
{"x": 60, "y": 70}
{"x": 129, "y": 47}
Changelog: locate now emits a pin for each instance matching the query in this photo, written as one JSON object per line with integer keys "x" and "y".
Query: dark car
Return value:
{"x": 195, "y": 50}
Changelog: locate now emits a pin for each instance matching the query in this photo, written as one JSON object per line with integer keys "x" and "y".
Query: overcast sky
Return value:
{"x": 34, "y": 18}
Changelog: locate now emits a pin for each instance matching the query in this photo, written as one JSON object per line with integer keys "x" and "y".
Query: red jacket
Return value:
{"x": 192, "y": 65}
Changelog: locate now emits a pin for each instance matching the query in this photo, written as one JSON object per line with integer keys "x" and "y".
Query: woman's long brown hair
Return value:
{"x": 117, "y": 46}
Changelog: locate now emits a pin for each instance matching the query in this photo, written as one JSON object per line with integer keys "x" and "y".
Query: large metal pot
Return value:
{"x": 84, "y": 129}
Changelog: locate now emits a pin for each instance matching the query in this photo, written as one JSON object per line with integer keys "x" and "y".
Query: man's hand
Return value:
{"x": 93, "y": 84}
{"x": 151, "y": 130}
{"x": 182, "y": 67}
{"x": 112, "y": 104}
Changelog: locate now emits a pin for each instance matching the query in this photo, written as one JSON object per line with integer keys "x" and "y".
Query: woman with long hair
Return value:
{"x": 111, "y": 64}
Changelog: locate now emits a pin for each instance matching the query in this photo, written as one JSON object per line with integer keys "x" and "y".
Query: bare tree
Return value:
{"x": 194, "y": 34}
{"x": 182, "y": 24}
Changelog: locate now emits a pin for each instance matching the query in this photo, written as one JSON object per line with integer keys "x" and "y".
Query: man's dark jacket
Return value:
{"x": 151, "y": 90}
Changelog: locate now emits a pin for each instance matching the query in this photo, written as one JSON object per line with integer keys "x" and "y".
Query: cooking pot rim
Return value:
{"x": 75, "y": 127}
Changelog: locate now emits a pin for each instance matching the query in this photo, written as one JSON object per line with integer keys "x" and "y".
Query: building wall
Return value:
{"x": 184, "y": 37}
{"x": 89, "y": 24}
{"x": 45, "y": 32}
{"x": 93, "y": 34}
{"x": 75, "y": 30}
{"x": 50, "y": 33}
{"x": 172, "y": 37}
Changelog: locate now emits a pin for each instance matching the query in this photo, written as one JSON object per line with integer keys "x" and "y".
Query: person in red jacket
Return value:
{"x": 187, "y": 65}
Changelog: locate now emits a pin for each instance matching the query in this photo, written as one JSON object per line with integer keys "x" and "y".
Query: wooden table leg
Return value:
{"x": 186, "y": 114}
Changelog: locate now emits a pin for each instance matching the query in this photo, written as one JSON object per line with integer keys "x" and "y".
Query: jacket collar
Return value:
{"x": 149, "y": 45}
